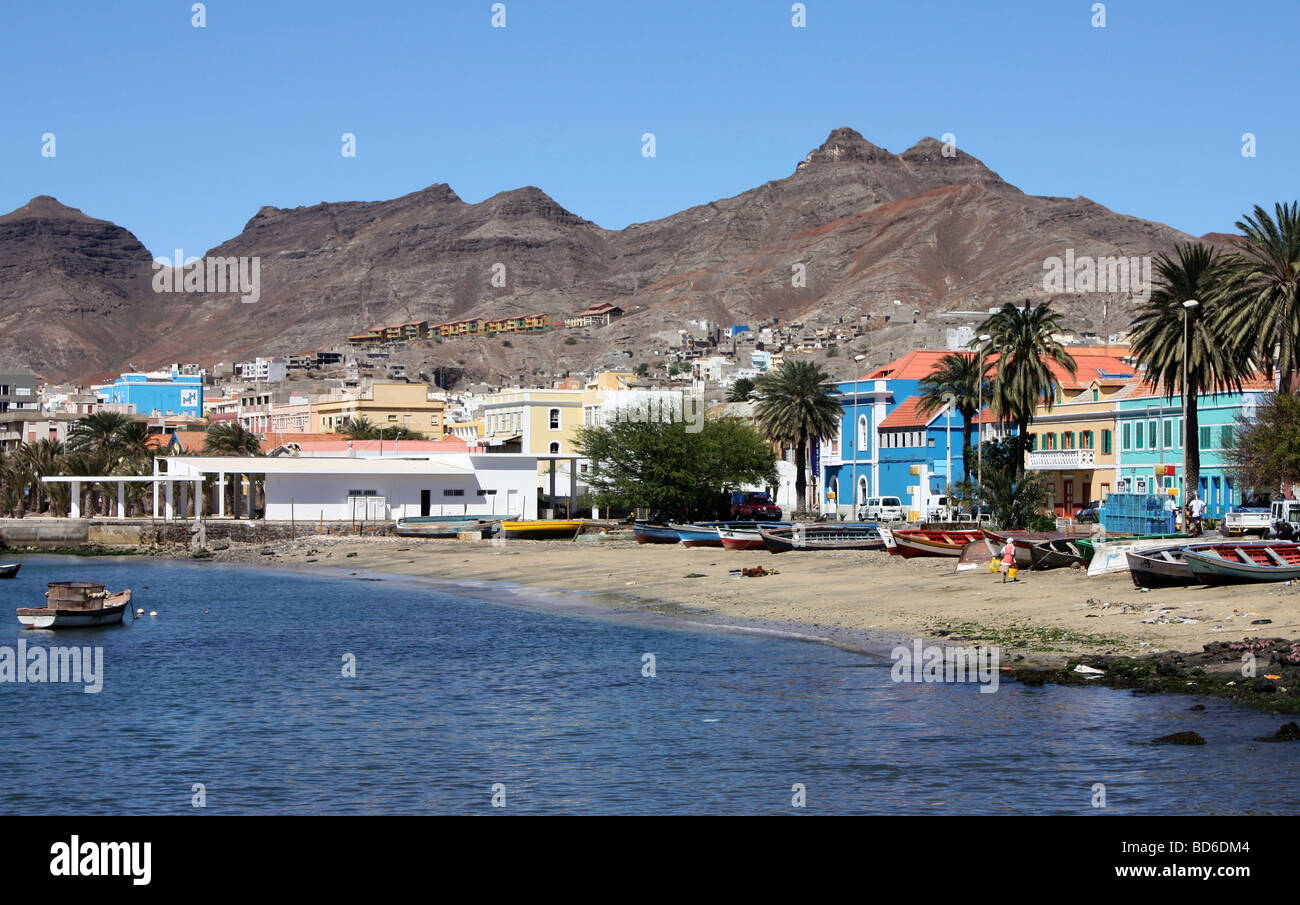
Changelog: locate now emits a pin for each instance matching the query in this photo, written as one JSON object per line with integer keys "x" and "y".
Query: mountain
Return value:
{"x": 937, "y": 231}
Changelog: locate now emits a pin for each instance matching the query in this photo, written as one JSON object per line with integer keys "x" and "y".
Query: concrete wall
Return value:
{"x": 314, "y": 498}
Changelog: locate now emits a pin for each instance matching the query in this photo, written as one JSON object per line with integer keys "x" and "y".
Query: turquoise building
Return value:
{"x": 1149, "y": 444}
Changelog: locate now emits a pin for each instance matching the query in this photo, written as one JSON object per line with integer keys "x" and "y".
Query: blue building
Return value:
{"x": 160, "y": 392}
{"x": 885, "y": 447}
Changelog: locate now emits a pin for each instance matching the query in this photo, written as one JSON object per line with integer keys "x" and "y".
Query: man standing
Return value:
{"x": 1196, "y": 511}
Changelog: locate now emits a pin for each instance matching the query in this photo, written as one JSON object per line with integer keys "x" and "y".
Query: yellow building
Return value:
{"x": 385, "y": 404}
{"x": 1073, "y": 442}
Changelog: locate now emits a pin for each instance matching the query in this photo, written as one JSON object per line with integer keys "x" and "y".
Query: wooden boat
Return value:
{"x": 1088, "y": 545}
{"x": 76, "y": 604}
{"x": 1233, "y": 563}
{"x": 444, "y": 526}
{"x": 748, "y": 537}
{"x": 1057, "y": 553}
{"x": 703, "y": 534}
{"x": 654, "y": 534}
{"x": 979, "y": 553}
{"x": 909, "y": 542}
{"x": 1161, "y": 567}
{"x": 541, "y": 529}
{"x": 9, "y": 569}
{"x": 846, "y": 536}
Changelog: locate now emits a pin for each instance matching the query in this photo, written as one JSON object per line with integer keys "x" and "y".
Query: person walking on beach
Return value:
{"x": 1008, "y": 561}
{"x": 1195, "y": 512}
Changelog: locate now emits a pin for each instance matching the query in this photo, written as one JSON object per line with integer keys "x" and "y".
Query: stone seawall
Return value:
{"x": 57, "y": 533}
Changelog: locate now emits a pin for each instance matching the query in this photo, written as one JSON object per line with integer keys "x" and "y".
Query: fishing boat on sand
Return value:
{"x": 445, "y": 525}
{"x": 76, "y": 604}
{"x": 748, "y": 537}
{"x": 541, "y": 529}
{"x": 703, "y": 534}
{"x": 910, "y": 542}
{"x": 654, "y": 534}
{"x": 849, "y": 536}
{"x": 1161, "y": 567}
{"x": 1056, "y": 553}
{"x": 9, "y": 569}
{"x": 1233, "y": 563}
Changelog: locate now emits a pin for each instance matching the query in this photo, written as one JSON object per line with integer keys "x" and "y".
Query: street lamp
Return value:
{"x": 979, "y": 413}
{"x": 1187, "y": 445}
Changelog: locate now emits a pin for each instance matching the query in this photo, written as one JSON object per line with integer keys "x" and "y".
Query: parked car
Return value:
{"x": 881, "y": 509}
{"x": 1248, "y": 520}
{"x": 753, "y": 506}
{"x": 1089, "y": 513}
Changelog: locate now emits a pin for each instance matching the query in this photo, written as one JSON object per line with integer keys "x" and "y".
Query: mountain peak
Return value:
{"x": 843, "y": 145}
{"x": 45, "y": 207}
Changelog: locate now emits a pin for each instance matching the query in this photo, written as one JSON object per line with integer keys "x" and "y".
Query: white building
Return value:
{"x": 264, "y": 370}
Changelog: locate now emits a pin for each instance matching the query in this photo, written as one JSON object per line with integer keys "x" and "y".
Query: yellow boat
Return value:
{"x": 542, "y": 529}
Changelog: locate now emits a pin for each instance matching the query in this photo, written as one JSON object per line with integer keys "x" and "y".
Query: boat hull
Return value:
{"x": 9, "y": 570}
{"x": 655, "y": 534}
{"x": 542, "y": 530}
{"x": 910, "y": 544}
{"x": 1213, "y": 569}
{"x": 1152, "y": 569}
{"x": 836, "y": 537}
{"x": 77, "y": 617}
{"x": 1059, "y": 554}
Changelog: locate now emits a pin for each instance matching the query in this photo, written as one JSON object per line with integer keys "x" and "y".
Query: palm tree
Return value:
{"x": 1261, "y": 289}
{"x": 1213, "y": 361}
{"x": 97, "y": 431}
{"x": 1023, "y": 339}
{"x": 796, "y": 403}
{"x": 956, "y": 377}
{"x": 45, "y": 458}
{"x": 740, "y": 390}
{"x": 359, "y": 428}
{"x": 230, "y": 438}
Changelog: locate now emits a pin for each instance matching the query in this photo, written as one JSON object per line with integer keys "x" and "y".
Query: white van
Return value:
{"x": 881, "y": 509}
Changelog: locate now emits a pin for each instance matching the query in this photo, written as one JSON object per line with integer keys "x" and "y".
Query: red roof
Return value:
{"x": 908, "y": 414}
{"x": 917, "y": 365}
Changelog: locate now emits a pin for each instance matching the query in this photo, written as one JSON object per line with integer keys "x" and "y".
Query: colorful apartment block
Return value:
{"x": 385, "y": 404}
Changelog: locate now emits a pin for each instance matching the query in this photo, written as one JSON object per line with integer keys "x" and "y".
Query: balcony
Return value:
{"x": 1060, "y": 460}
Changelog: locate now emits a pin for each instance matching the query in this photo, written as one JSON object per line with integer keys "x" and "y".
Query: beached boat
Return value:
{"x": 72, "y": 604}
{"x": 9, "y": 569}
{"x": 1162, "y": 567}
{"x": 1088, "y": 545}
{"x": 1233, "y": 563}
{"x": 979, "y": 553}
{"x": 541, "y": 529}
{"x": 654, "y": 534}
{"x": 444, "y": 526}
{"x": 846, "y": 536}
{"x": 704, "y": 534}
{"x": 909, "y": 542}
{"x": 748, "y": 537}
{"x": 1057, "y": 553}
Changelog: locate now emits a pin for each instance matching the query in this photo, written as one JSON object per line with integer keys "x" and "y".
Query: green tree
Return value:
{"x": 1015, "y": 498}
{"x": 740, "y": 390}
{"x": 98, "y": 432}
{"x": 644, "y": 462}
{"x": 1023, "y": 339}
{"x": 362, "y": 428}
{"x": 45, "y": 457}
{"x": 1261, "y": 290}
{"x": 956, "y": 376}
{"x": 796, "y": 404}
{"x": 1265, "y": 452}
{"x": 1214, "y": 361}
{"x": 230, "y": 438}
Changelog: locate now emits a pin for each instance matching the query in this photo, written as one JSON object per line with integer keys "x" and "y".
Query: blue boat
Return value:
{"x": 705, "y": 534}
{"x": 653, "y": 534}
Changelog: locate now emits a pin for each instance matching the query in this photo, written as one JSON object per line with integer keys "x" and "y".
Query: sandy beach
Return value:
{"x": 1046, "y": 616}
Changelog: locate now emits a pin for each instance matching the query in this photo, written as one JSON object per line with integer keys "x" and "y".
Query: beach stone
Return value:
{"x": 1180, "y": 738}
{"x": 1288, "y": 733}
{"x": 1197, "y": 707}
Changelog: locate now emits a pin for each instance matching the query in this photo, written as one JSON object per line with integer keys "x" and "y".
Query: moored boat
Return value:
{"x": 1233, "y": 563}
{"x": 654, "y": 534}
{"x": 444, "y": 526}
{"x": 748, "y": 537}
{"x": 541, "y": 529}
{"x": 849, "y": 536}
{"x": 9, "y": 569}
{"x": 74, "y": 604}
{"x": 1057, "y": 553}
{"x": 909, "y": 542}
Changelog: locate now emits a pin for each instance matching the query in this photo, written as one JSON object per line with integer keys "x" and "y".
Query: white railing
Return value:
{"x": 1053, "y": 459}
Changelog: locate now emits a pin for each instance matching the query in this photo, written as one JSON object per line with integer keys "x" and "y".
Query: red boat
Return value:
{"x": 909, "y": 542}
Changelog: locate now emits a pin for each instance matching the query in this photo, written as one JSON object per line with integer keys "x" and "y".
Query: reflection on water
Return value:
{"x": 237, "y": 685}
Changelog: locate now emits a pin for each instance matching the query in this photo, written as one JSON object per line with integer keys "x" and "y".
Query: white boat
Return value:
{"x": 76, "y": 604}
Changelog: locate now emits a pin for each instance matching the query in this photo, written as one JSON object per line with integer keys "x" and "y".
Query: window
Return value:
{"x": 1105, "y": 442}
{"x": 1152, "y": 437}
{"x": 1067, "y": 440}
{"x": 1033, "y": 442}
{"x": 1169, "y": 434}
{"x": 1127, "y": 436}
{"x": 1205, "y": 438}
{"x": 1139, "y": 436}
{"x": 454, "y": 491}
{"x": 864, "y": 433}
{"x": 555, "y": 419}
{"x": 1225, "y": 437}
{"x": 555, "y": 448}
{"x": 1096, "y": 394}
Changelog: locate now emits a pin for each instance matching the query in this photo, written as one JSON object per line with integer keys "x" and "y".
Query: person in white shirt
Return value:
{"x": 1196, "y": 511}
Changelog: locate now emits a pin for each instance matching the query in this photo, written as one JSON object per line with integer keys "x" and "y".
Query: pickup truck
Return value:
{"x": 753, "y": 506}
{"x": 1248, "y": 520}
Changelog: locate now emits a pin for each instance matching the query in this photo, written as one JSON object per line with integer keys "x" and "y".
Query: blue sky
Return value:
{"x": 180, "y": 133}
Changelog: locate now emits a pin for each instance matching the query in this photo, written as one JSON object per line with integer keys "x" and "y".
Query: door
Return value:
{"x": 1068, "y": 488}
{"x": 426, "y": 502}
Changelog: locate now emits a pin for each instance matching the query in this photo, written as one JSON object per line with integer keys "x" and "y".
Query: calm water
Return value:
{"x": 237, "y": 685}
